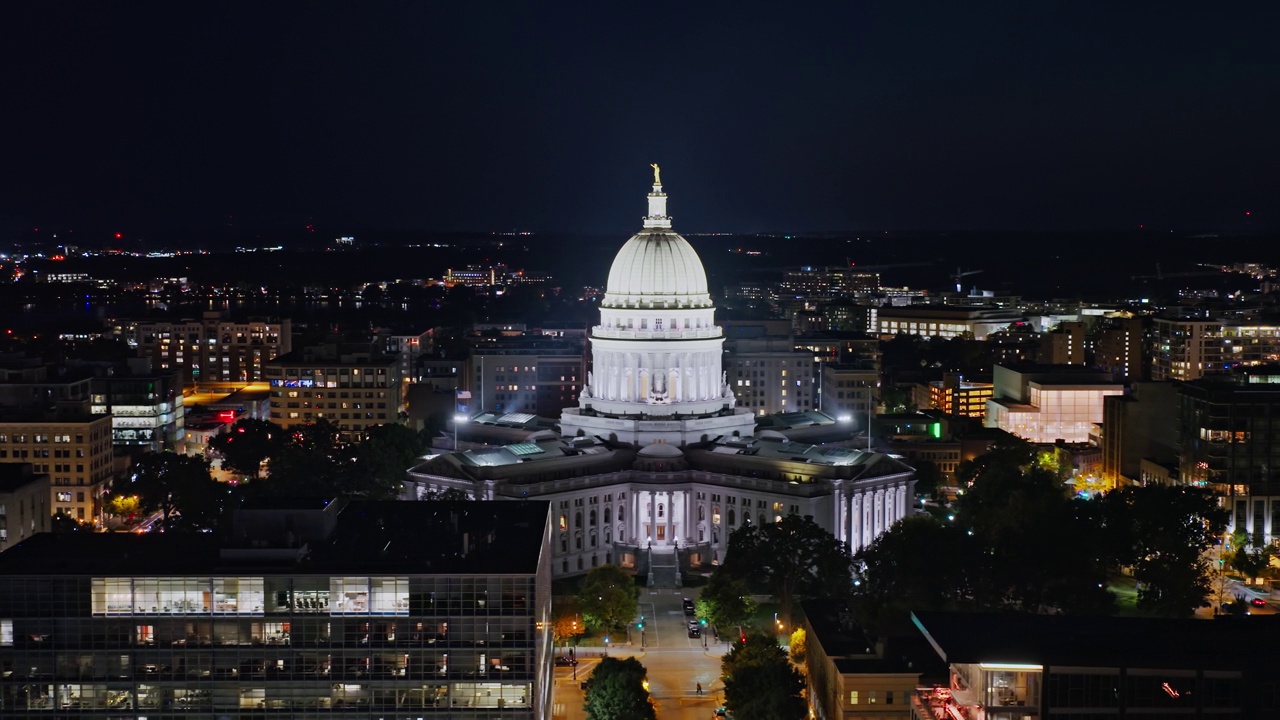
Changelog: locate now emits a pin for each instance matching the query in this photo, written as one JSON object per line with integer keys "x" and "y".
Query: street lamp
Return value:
{"x": 458, "y": 420}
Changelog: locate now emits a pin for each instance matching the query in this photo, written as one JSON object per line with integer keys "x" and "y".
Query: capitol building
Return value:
{"x": 657, "y": 466}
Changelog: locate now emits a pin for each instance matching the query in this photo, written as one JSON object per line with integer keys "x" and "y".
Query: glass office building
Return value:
{"x": 360, "y": 610}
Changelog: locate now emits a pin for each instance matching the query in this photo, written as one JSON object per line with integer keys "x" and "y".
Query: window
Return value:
{"x": 871, "y": 697}
{"x": 6, "y": 633}
{"x": 853, "y": 697}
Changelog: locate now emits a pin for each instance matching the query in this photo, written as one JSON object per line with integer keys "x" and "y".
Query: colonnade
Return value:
{"x": 635, "y": 376}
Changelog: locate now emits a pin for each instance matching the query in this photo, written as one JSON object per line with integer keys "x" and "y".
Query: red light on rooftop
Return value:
{"x": 1246, "y": 212}
{"x": 119, "y": 235}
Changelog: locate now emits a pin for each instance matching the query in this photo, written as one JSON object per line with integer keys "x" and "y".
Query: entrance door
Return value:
{"x": 662, "y": 532}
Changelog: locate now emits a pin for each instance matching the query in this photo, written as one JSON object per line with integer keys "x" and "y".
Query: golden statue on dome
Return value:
{"x": 657, "y": 173}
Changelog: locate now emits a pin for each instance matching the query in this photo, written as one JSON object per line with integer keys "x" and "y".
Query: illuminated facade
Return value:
{"x": 657, "y": 352}
{"x": 1044, "y": 404}
{"x": 212, "y": 349}
{"x": 356, "y": 388}
{"x": 944, "y": 321}
{"x": 75, "y": 451}
{"x": 956, "y": 396}
{"x": 372, "y": 610}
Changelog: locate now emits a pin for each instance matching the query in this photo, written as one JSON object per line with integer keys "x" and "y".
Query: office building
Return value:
{"x": 827, "y": 282}
{"x": 944, "y": 321}
{"x": 363, "y": 610}
{"x": 73, "y": 449}
{"x": 354, "y": 386}
{"x": 529, "y": 373}
{"x": 769, "y": 375}
{"x": 956, "y": 396}
{"x": 147, "y": 409}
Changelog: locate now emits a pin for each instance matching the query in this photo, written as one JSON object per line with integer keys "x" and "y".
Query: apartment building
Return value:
{"x": 353, "y": 385}
{"x": 73, "y": 449}
{"x": 209, "y": 350}
{"x": 769, "y": 375}
{"x": 533, "y": 374}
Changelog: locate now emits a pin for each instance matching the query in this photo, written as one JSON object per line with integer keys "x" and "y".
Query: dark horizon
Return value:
{"x": 452, "y": 118}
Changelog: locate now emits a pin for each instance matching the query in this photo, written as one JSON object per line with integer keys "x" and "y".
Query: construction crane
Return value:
{"x": 960, "y": 274}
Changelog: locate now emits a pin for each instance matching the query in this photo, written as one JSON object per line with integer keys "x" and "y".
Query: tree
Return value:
{"x": 181, "y": 488}
{"x": 608, "y": 598}
{"x": 797, "y": 644}
{"x": 917, "y": 564}
{"x": 246, "y": 444}
{"x": 311, "y": 460}
{"x": 760, "y": 683}
{"x": 383, "y": 457}
{"x": 1247, "y": 558}
{"x": 928, "y": 478}
{"x": 616, "y": 691}
{"x": 64, "y": 523}
{"x": 566, "y": 623}
{"x": 796, "y": 557}
{"x": 1164, "y": 532}
{"x": 123, "y": 505}
{"x": 726, "y": 601}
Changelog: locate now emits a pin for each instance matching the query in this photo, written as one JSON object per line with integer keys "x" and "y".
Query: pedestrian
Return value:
{"x": 699, "y": 688}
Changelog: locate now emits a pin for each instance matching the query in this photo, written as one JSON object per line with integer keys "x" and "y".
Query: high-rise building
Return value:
{"x": 1230, "y": 441}
{"x": 209, "y": 350}
{"x": 359, "y": 611}
{"x": 1121, "y": 342}
{"x": 1064, "y": 345}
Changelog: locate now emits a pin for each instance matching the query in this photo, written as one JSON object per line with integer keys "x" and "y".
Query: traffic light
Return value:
{"x": 702, "y": 622}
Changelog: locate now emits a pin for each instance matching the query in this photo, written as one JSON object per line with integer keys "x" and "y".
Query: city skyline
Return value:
{"x": 838, "y": 118}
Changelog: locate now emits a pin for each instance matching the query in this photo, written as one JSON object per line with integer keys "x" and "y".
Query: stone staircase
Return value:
{"x": 664, "y": 569}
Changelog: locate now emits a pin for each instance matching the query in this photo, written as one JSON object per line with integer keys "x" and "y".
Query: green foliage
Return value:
{"x": 928, "y": 478}
{"x": 760, "y": 683}
{"x": 608, "y": 598}
{"x": 798, "y": 646}
{"x": 64, "y": 523}
{"x": 181, "y": 488}
{"x": 384, "y": 456}
{"x": 1163, "y": 532}
{"x": 1247, "y": 558}
{"x": 246, "y": 444}
{"x": 917, "y": 564}
{"x": 615, "y": 691}
{"x": 726, "y": 601}
{"x": 795, "y": 557}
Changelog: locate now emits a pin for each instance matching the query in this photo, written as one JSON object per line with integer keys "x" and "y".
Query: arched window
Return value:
{"x": 660, "y": 509}
{"x": 702, "y": 512}
{"x": 622, "y": 534}
{"x": 593, "y": 538}
{"x": 608, "y": 513}
{"x": 607, "y": 534}
{"x": 577, "y": 541}
{"x": 621, "y": 514}
{"x": 591, "y": 518}
{"x": 564, "y": 543}
{"x": 731, "y": 517}
{"x": 746, "y": 517}
{"x": 577, "y": 519}
{"x": 762, "y": 520}
{"x": 579, "y": 563}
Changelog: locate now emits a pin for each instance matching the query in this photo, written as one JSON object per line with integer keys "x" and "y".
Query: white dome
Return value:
{"x": 660, "y": 450}
{"x": 659, "y": 267}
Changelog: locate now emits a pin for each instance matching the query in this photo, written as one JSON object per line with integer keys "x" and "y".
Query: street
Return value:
{"x": 675, "y": 662}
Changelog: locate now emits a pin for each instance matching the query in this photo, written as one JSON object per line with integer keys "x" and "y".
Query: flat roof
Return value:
{"x": 371, "y": 537}
{"x": 1101, "y": 641}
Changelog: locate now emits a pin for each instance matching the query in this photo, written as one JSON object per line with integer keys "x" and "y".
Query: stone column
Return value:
{"x": 855, "y": 521}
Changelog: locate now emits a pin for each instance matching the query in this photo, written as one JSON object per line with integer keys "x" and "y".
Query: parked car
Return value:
{"x": 688, "y": 606}
{"x": 566, "y": 661}
{"x": 695, "y": 631}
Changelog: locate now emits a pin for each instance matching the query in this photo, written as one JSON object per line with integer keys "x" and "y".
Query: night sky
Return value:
{"x": 765, "y": 116}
